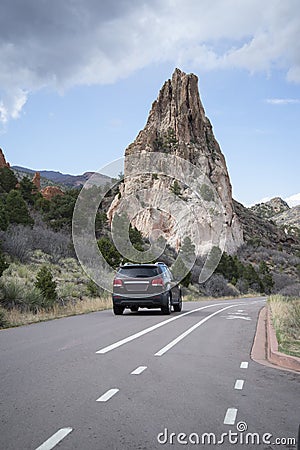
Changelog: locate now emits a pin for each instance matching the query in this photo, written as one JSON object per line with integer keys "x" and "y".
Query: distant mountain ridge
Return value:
{"x": 67, "y": 180}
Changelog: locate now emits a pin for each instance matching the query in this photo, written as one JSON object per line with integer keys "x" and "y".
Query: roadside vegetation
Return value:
{"x": 285, "y": 314}
{"x": 40, "y": 277}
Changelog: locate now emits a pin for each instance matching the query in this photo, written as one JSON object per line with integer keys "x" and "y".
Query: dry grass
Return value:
{"x": 16, "y": 318}
{"x": 192, "y": 295}
{"x": 285, "y": 313}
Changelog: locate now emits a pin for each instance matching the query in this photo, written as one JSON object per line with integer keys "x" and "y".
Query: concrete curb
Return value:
{"x": 273, "y": 355}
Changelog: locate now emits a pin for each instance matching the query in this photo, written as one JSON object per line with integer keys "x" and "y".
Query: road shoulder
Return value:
{"x": 265, "y": 346}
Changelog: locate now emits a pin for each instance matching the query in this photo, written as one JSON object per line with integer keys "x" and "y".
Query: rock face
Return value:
{"x": 3, "y": 162}
{"x": 177, "y": 126}
{"x": 51, "y": 191}
{"x": 289, "y": 217}
{"x": 265, "y": 232}
{"x": 37, "y": 180}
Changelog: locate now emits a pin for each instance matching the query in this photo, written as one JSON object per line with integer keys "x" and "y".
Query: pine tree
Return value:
{"x": 3, "y": 217}
{"x": 109, "y": 252}
{"x": 47, "y": 286}
{"x": 28, "y": 190}
{"x": 8, "y": 179}
{"x": 16, "y": 209}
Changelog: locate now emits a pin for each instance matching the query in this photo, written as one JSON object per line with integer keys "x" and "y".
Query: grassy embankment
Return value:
{"x": 285, "y": 314}
{"x": 76, "y": 294}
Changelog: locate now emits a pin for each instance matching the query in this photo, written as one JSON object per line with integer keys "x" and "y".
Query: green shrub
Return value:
{"x": 47, "y": 286}
{"x": 11, "y": 294}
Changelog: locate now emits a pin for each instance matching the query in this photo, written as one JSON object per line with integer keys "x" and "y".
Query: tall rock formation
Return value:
{"x": 3, "y": 162}
{"x": 177, "y": 127}
{"x": 37, "y": 180}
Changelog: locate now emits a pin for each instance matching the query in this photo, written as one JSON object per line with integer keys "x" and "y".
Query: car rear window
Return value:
{"x": 140, "y": 272}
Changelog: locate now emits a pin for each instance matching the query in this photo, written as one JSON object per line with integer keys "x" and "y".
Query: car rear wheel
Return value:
{"x": 167, "y": 308}
{"x": 134, "y": 308}
{"x": 118, "y": 310}
{"x": 178, "y": 307}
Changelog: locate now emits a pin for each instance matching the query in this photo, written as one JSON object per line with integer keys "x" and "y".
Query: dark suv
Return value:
{"x": 145, "y": 286}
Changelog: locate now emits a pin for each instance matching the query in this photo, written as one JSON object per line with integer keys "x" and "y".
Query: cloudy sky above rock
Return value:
{"x": 78, "y": 78}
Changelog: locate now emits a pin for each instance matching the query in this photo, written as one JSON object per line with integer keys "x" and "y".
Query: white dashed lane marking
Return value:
{"x": 109, "y": 394}
{"x": 138, "y": 370}
{"x": 244, "y": 365}
{"x": 230, "y": 416}
{"x": 239, "y": 384}
{"x": 55, "y": 439}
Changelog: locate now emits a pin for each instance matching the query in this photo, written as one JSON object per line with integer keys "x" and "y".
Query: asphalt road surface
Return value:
{"x": 145, "y": 381}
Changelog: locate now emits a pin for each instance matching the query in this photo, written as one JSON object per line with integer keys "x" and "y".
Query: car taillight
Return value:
{"x": 118, "y": 282}
{"x": 157, "y": 282}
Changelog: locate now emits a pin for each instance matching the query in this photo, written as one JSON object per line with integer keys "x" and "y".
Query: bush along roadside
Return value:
{"x": 42, "y": 290}
{"x": 285, "y": 314}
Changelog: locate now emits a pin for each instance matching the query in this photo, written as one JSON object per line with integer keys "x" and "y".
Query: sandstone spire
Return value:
{"x": 177, "y": 125}
{"x": 3, "y": 162}
{"x": 37, "y": 180}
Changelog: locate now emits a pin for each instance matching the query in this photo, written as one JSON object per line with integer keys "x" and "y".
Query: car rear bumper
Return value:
{"x": 155, "y": 301}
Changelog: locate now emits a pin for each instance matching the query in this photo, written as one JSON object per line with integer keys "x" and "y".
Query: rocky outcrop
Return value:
{"x": 270, "y": 208}
{"x": 278, "y": 212}
{"x": 37, "y": 180}
{"x": 289, "y": 217}
{"x": 51, "y": 191}
{"x": 178, "y": 128}
{"x": 3, "y": 162}
{"x": 260, "y": 231}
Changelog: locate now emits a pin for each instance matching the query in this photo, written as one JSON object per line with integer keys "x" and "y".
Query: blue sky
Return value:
{"x": 78, "y": 79}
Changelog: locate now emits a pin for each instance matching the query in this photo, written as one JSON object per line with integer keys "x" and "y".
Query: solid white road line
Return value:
{"x": 55, "y": 439}
{"x": 239, "y": 384}
{"x": 109, "y": 394}
{"x": 152, "y": 328}
{"x": 230, "y": 416}
{"x": 138, "y": 370}
{"x": 244, "y": 365}
{"x": 190, "y": 330}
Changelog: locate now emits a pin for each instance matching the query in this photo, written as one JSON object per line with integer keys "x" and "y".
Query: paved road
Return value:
{"x": 70, "y": 381}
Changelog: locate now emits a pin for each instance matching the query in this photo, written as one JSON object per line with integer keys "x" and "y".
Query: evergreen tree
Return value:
{"x": 3, "y": 217}
{"x": 184, "y": 261}
{"x": 47, "y": 286}
{"x": 16, "y": 209}
{"x": 61, "y": 210}
{"x": 8, "y": 179}
{"x": 266, "y": 277}
{"x": 109, "y": 252}
{"x": 136, "y": 239}
{"x": 28, "y": 190}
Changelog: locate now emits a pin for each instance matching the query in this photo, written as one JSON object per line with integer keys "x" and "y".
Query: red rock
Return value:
{"x": 51, "y": 191}
{"x": 37, "y": 180}
{"x": 3, "y": 162}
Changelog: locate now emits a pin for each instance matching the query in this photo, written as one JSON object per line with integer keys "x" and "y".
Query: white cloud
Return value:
{"x": 282, "y": 101}
{"x": 75, "y": 42}
{"x": 293, "y": 200}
